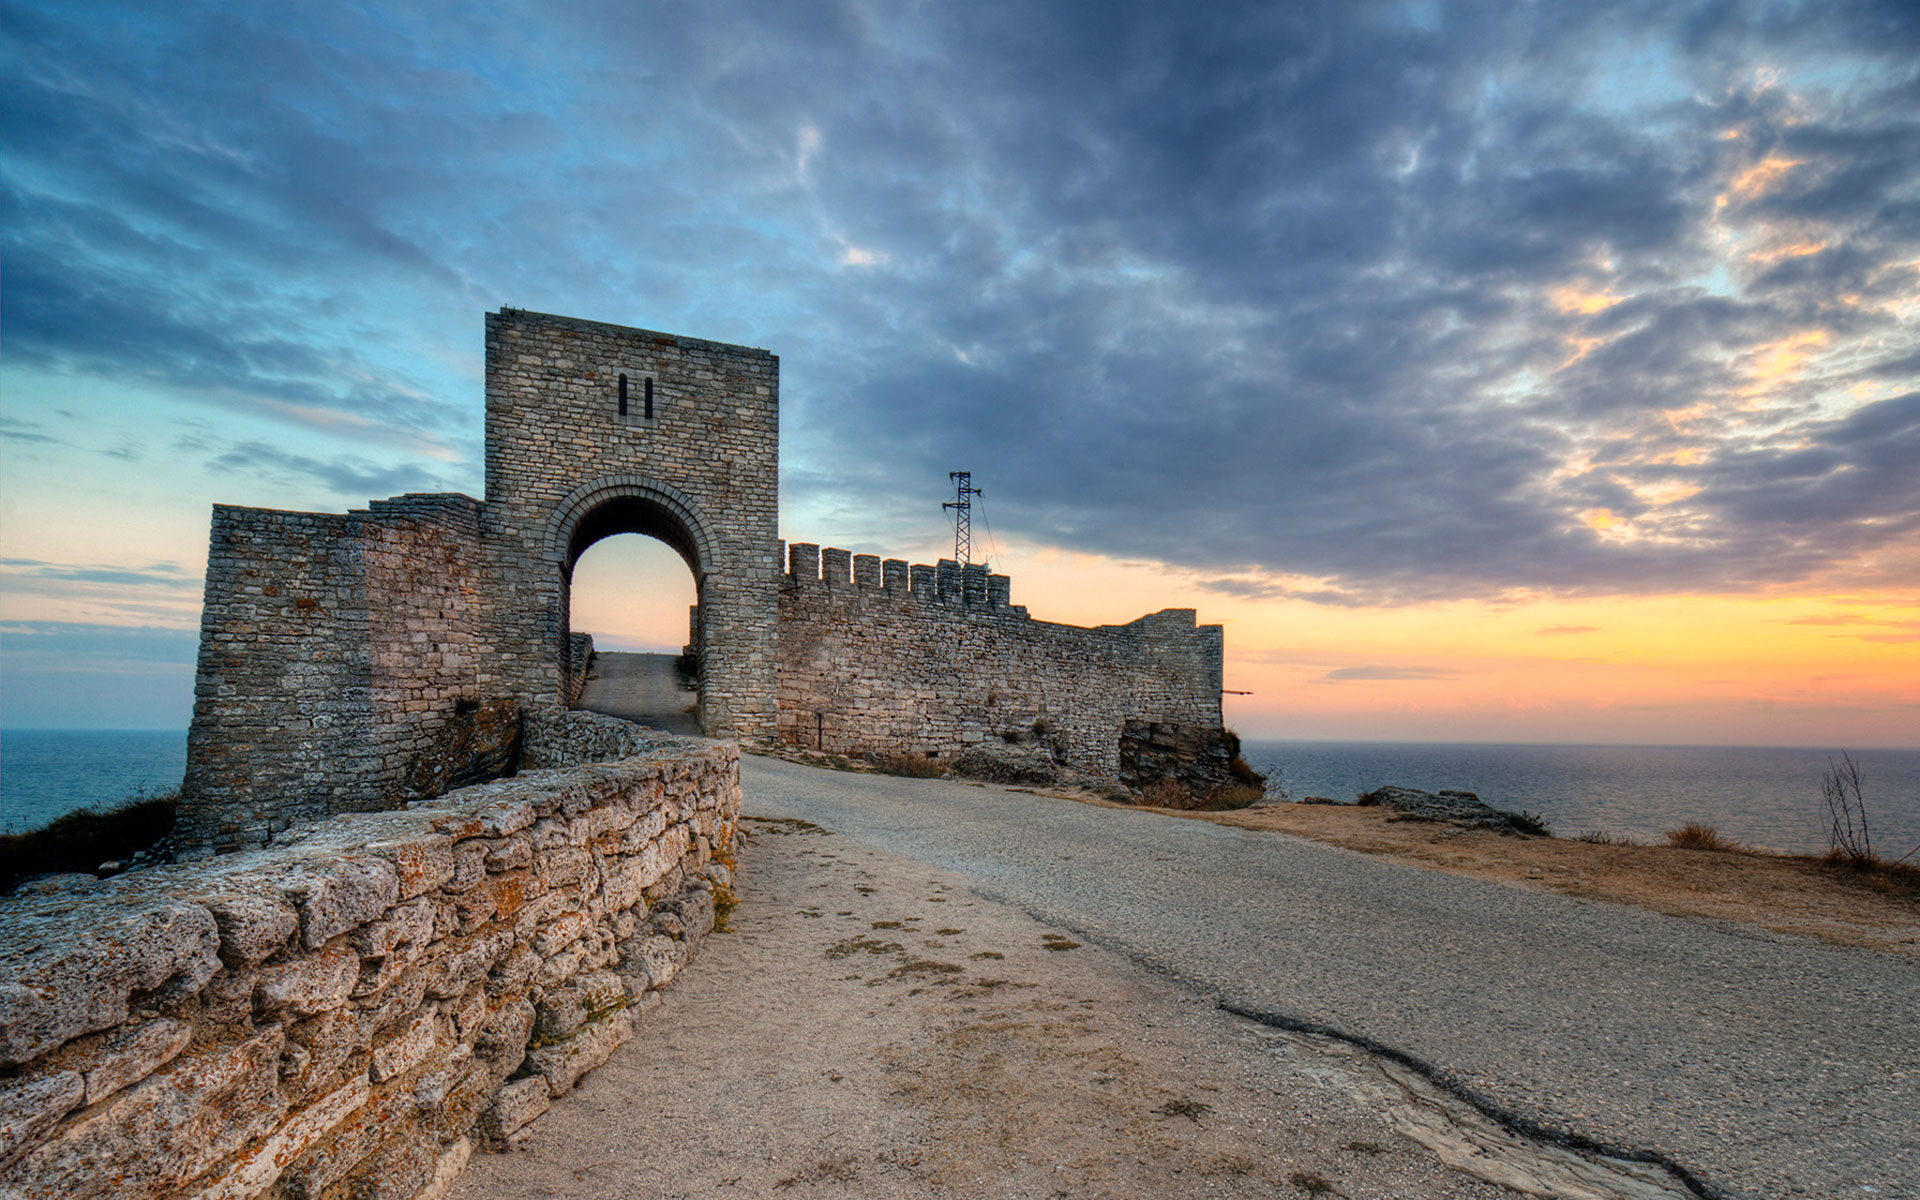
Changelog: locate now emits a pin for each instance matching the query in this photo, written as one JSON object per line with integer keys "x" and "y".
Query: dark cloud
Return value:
{"x": 16, "y": 430}
{"x": 72, "y": 645}
{"x": 156, "y": 575}
{"x": 346, "y": 476}
{"x": 1471, "y": 300}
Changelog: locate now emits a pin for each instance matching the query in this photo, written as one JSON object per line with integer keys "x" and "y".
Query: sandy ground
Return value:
{"x": 869, "y": 1027}
{"x": 1783, "y": 894}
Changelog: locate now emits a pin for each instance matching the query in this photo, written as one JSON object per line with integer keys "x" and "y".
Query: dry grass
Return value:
{"x": 81, "y": 841}
{"x": 1897, "y": 877}
{"x": 1695, "y": 836}
{"x": 912, "y": 766}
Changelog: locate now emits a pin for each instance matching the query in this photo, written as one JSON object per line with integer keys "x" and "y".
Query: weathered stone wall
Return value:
{"x": 890, "y": 658}
{"x": 351, "y": 1012}
{"x": 345, "y": 665}
{"x": 282, "y": 706}
{"x": 565, "y": 467}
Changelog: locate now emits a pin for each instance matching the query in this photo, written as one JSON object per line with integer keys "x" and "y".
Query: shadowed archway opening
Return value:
{"x": 631, "y": 581}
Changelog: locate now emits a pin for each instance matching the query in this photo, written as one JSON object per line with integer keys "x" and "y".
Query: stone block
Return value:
{"x": 330, "y": 1040}
{"x": 502, "y": 1041}
{"x": 452, "y": 1161}
{"x": 336, "y": 897}
{"x": 252, "y": 927}
{"x": 509, "y": 854}
{"x": 558, "y": 1015}
{"x": 514, "y": 1107}
{"x": 407, "y": 1049}
{"x": 163, "y": 1133}
{"x": 563, "y": 1065}
{"x": 394, "y": 943}
{"x": 257, "y": 1167}
{"x": 65, "y": 978}
{"x": 654, "y": 958}
{"x": 560, "y": 932}
{"x": 134, "y": 1054}
{"x": 461, "y": 969}
{"x": 516, "y": 969}
{"x": 32, "y": 1106}
{"x": 310, "y": 983}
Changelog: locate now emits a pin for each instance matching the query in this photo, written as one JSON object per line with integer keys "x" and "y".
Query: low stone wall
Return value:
{"x": 351, "y": 1012}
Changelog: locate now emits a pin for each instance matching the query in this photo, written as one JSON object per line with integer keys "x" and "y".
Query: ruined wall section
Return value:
{"x": 282, "y": 702}
{"x": 442, "y": 715}
{"x": 355, "y": 1011}
{"x": 886, "y": 657}
{"x": 344, "y": 666}
{"x": 566, "y": 466}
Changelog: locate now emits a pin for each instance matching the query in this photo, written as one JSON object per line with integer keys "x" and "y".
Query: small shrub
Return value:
{"x": 913, "y": 766}
{"x": 1598, "y": 837}
{"x": 80, "y": 841}
{"x": 1695, "y": 836}
{"x": 1849, "y": 841}
{"x": 1528, "y": 821}
{"x": 1167, "y": 792}
{"x": 1230, "y": 796}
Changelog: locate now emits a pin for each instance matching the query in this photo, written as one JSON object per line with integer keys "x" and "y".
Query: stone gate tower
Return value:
{"x": 595, "y": 430}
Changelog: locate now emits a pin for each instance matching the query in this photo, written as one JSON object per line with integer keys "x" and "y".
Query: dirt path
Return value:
{"x": 646, "y": 689}
{"x": 870, "y": 1027}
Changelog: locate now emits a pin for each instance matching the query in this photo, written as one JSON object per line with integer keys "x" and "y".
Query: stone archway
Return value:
{"x": 609, "y": 508}
{"x": 599, "y": 429}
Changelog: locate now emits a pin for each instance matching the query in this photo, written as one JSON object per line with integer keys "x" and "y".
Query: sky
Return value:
{"x": 1493, "y": 372}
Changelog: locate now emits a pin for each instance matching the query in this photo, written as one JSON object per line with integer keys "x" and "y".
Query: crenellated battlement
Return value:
{"x": 882, "y": 656}
{"x": 945, "y": 582}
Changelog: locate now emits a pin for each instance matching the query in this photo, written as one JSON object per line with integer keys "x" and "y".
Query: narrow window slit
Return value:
{"x": 648, "y": 411}
{"x": 623, "y": 395}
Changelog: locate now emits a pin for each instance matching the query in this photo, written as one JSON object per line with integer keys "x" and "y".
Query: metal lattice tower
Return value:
{"x": 962, "y": 515}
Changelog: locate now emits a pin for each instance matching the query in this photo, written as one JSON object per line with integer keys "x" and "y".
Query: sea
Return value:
{"x": 46, "y": 773}
{"x": 1766, "y": 797}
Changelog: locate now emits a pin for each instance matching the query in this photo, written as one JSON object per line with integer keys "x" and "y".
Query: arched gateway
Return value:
{"x": 357, "y": 661}
{"x": 595, "y": 430}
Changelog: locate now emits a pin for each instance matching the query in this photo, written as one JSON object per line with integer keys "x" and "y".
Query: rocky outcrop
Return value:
{"x": 1202, "y": 759}
{"x": 353, "y": 1010}
{"x": 1453, "y": 808}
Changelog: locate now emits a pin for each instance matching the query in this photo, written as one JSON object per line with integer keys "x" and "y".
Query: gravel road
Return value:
{"x": 1765, "y": 1065}
{"x": 643, "y": 688}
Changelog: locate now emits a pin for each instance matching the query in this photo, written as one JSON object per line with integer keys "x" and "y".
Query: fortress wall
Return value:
{"x": 344, "y": 665}
{"x": 354, "y": 1010}
{"x": 890, "y": 658}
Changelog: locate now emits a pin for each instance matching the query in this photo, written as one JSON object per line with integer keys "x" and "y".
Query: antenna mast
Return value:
{"x": 962, "y": 515}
